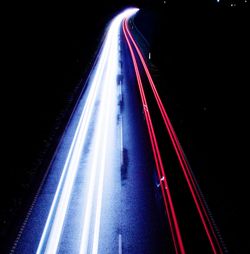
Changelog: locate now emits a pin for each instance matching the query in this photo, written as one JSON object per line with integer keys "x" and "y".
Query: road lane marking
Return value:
{"x": 121, "y": 143}
{"x": 120, "y": 244}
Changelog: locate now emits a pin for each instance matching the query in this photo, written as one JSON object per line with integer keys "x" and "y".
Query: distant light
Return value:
{"x": 232, "y": 5}
{"x": 164, "y": 2}
{"x": 218, "y": 1}
{"x": 149, "y": 55}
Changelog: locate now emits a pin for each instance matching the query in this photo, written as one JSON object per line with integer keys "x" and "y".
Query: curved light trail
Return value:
{"x": 199, "y": 203}
{"x": 176, "y": 235}
{"x": 102, "y": 90}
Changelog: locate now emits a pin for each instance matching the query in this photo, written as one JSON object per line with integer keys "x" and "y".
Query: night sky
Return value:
{"x": 201, "y": 53}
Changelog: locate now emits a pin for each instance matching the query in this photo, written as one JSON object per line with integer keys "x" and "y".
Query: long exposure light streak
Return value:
{"x": 102, "y": 88}
{"x": 175, "y": 231}
{"x": 209, "y": 229}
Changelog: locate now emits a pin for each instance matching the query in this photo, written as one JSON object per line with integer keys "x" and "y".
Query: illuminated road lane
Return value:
{"x": 98, "y": 195}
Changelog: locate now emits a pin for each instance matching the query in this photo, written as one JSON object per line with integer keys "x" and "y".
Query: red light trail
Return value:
{"x": 174, "y": 227}
{"x": 196, "y": 195}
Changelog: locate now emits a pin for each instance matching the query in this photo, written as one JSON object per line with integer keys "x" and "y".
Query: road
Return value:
{"x": 97, "y": 195}
{"x": 119, "y": 181}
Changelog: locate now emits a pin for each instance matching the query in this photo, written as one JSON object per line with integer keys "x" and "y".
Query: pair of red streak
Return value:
{"x": 174, "y": 227}
{"x": 199, "y": 203}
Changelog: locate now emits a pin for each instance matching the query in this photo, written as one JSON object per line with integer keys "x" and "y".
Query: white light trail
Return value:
{"x": 109, "y": 98}
{"x": 103, "y": 88}
{"x": 101, "y": 141}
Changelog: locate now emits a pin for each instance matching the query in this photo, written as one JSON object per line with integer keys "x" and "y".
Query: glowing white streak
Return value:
{"x": 99, "y": 149}
{"x": 70, "y": 166}
{"x": 93, "y": 170}
{"x": 111, "y": 103}
{"x": 100, "y": 185}
{"x": 54, "y": 224}
{"x": 114, "y": 33}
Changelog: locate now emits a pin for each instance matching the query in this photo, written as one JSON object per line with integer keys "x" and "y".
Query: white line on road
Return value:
{"x": 121, "y": 143}
{"x": 120, "y": 244}
{"x": 121, "y": 127}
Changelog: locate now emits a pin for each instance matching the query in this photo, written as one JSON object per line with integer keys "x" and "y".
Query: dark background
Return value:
{"x": 201, "y": 52}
